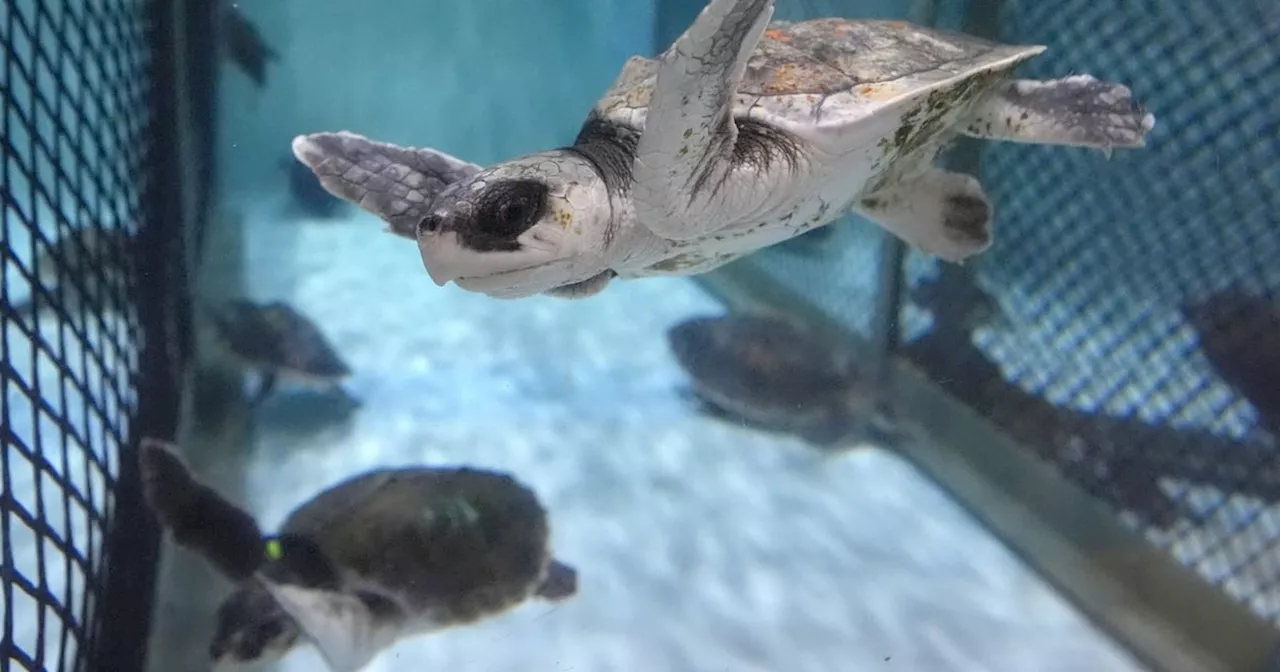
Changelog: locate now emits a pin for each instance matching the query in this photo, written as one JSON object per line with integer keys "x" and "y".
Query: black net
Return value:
{"x": 1126, "y": 323}
{"x": 78, "y": 299}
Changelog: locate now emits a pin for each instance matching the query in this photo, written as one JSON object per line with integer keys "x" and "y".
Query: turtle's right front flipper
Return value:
{"x": 199, "y": 518}
{"x": 685, "y": 154}
{"x": 395, "y": 183}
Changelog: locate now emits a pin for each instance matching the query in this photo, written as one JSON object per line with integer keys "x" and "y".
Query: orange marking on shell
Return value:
{"x": 881, "y": 91}
{"x": 776, "y": 34}
{"x": 786, "y": 78}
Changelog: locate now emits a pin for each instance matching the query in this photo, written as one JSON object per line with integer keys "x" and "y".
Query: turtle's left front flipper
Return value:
{"x": 1080, "y": 110}
{"x": 395, "y": 183}
{"x": 686, "y": 150}
{"x": 199, "y": 518}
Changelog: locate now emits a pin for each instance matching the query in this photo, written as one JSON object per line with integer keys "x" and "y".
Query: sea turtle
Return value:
{"x": 770, "y": 374}
{"x": 741, "y": 135}
{"x": 277, "y": 341}
{"x": 82, "y": 264}
{"x": 379, "y": 557}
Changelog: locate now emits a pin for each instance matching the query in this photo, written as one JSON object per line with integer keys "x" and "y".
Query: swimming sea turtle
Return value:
{"x": 741, "y": 135}
{"x": 770, "y": 374}
{"x": 277, "y": 341}
{"x": 379, "y": 557}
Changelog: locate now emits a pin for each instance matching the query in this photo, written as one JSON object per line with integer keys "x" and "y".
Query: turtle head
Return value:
{"x": 252, "y": 627}
{"x": 530, "y": 225}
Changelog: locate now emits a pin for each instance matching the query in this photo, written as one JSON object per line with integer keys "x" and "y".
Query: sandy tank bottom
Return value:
{"x": 701, "y": 546}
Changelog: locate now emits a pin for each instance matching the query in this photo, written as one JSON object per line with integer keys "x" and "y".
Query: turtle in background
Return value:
{"x": 276, "y": 341}
{"x": 84, "y": 259}
{"x": 1239, "y": 333}
{"x": 243, "y": 44}
{"x": 742, "y": 134}
{"x": 770, "y": 374}
{"x": 377, "y": 558}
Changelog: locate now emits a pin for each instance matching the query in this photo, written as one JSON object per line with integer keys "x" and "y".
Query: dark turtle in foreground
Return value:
{"x": 772, "y": 375}
{"x": 277, "y": 341}
{"x": 379, "y": 557}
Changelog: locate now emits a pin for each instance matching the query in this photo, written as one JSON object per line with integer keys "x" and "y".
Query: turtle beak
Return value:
{"x": 441, "y": 255}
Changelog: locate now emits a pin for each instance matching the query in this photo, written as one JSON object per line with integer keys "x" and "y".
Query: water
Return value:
{"x": 702, "y": 546}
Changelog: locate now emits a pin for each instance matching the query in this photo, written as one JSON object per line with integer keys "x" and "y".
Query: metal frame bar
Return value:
{"x": 133, "y": 544}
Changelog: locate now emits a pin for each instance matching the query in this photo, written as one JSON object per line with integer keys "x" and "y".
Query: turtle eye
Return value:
{"x": 511, "y": 208}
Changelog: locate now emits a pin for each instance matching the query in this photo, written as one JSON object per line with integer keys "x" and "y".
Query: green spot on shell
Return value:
{"x": 688, "y": 132}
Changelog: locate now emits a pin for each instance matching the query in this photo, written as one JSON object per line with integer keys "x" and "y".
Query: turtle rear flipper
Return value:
{"x": 199, "y": 518}
{"x": 560, "y": 584}
{"x": 1080, "y": 110}
{"x": 941, "y": 213}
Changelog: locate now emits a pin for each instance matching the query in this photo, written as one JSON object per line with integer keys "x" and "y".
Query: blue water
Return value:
{"x": 701, "y": 546}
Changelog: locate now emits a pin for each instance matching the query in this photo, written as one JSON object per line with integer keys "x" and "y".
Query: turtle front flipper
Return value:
{"x": 941, "y": 213}
{"x": 1079, "y": 110}
{"x": 560, "y": 583}
{"x": 395, "y": 183}
{"x": 199, "y": 518}
{"x": 686, "y": 150}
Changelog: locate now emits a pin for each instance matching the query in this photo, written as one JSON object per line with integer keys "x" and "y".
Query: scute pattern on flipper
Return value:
{"x": 826, "y": 56}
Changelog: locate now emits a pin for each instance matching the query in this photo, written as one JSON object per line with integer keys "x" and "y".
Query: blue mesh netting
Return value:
{"x": 75, "y": 116}
{"x": 1117, "y": 279}
{"x": 1127, "y": 311}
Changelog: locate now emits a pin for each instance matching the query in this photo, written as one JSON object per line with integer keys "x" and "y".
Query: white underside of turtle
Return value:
{"x": 743, "y": 134}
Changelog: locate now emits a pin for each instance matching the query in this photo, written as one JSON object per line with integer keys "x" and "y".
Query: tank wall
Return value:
{"x": 516, "y": 78}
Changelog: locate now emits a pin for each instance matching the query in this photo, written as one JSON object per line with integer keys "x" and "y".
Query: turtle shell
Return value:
{"x": 459, "y": 544}
{"x": 763, "y": 369}
{"x": 816, "y": 78}
{"x": 276, "y": 336}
